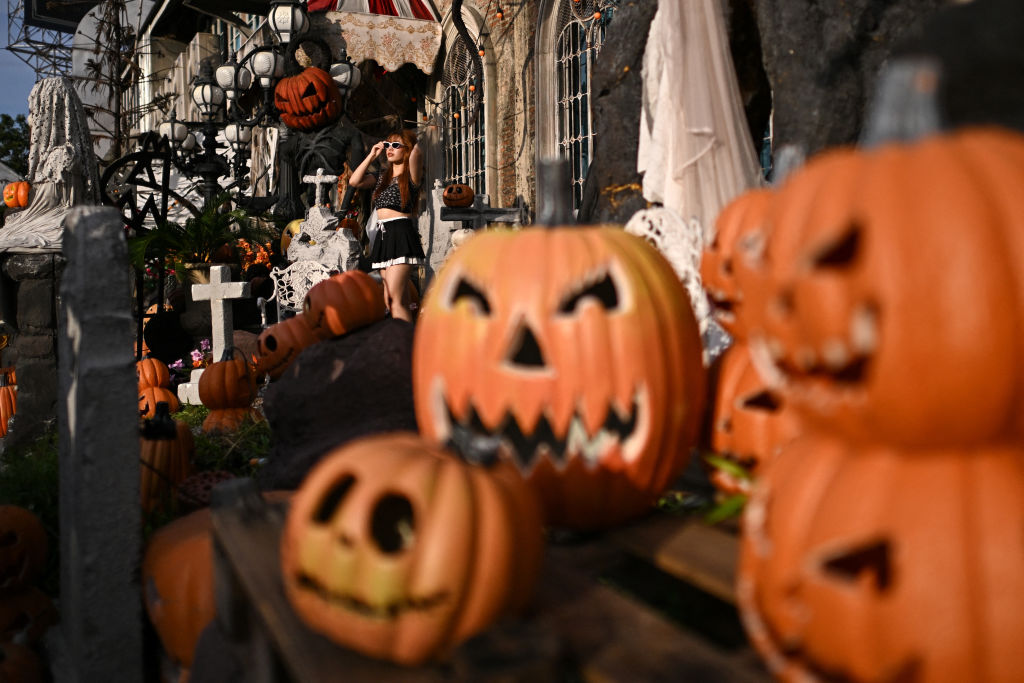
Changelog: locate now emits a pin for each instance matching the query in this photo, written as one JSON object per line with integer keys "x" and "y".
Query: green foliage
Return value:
{"x": 14, "y": 140}
{"x": 241, "y": 452}
{"x": 29, "y": 478}
{"x": 199, "y": 238}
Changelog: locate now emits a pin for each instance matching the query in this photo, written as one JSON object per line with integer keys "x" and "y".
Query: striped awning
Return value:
{"x": 390, "y": 32}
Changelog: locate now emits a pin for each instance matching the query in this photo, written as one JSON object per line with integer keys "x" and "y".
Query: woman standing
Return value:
{"x": 395, "y": 197}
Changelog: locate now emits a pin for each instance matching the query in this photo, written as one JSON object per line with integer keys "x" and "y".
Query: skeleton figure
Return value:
{"x": 61, "y": 168}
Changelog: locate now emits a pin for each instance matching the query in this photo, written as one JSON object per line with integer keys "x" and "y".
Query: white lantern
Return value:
{"x": 233, "y": 78}
{"x": 287, "y": 19}
{"x": 237, "y": 135}
{"x": 268, "y": 67}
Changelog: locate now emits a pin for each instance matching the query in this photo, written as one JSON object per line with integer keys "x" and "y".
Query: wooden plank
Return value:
{"x": 687, "y": 548}
{"x": 616, "y": 639}
{"x": 250, "y": 541}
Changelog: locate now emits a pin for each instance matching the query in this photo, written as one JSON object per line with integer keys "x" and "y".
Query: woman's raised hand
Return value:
{"x": 377, "y": 150}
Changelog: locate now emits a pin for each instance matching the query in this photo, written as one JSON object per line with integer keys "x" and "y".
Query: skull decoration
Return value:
{"x": 751, "y": 422}
{"x": 22, "y": 547}
{"x": 577, "y": 351}
{"x": 722, "y": 264}
{"x": 458, "y": 194}
{"x": 400, "y": 551}
{"x": 871, "y": 564}
{"x": 895, "y": 290}
{"x": 308, "y": 100}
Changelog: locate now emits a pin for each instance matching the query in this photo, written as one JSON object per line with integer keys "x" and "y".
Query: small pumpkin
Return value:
{"x": 16, "y": 194}
{"x": 152, "y": 372}
{"x": 868, "y": 563}
{"x": 149, "y": 397}
{"x": 227, "y": 388}
{"x": 395, "y": 548}
{"x": 8, "y": 402}
{"x": 292, "y": 229}
{"x": 19, "y": 664}
{"x": 22, "y": 547}
{"x": 458, "y": 194}
{"x": 308, "y": 100}
{"x": 165, "y": 454}
{"x": 576, "y": 350}
{"x": 25, "y": 615}
{"x": 342, "y": 303}
{"x": 280, "y": 344}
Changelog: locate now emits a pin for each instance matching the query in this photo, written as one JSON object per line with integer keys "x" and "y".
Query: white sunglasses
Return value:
{"x": 393, "y": 145}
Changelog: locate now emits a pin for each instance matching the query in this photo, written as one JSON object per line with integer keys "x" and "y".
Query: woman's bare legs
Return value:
{"x": 396, "y": 281}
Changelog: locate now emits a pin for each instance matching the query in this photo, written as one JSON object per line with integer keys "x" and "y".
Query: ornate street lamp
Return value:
{"x": 287, "y": 19}
{"x": 345, "y": 73}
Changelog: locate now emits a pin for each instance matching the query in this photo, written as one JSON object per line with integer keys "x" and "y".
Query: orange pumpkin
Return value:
{"x": 353, "y": 226}
{"x": 871, "y": 564}
{"x": 722, "y": 263}
{"x": 227, "y": 388}
{"x": 750, "y": 421}
{"x": 26, "y": 614}
{"x": 20, "y": 664}
{"x": 342, "y": 303}
{"x": 895, "y": 290}
{"x": 165, "y": 453}
{"x": 22, "y": 547}
{"x": 308, "y": 100}
{"x": 458, "y": 194}
{"x": 16, "y": 194}
{"x": 577, "y": 350}
{"x": 149, "y": 397}
{"x": 152, "y": 372}
{"x": 8, "y": 403}
{"x": 280, "y": 344}
{"x": 398, "y": 550}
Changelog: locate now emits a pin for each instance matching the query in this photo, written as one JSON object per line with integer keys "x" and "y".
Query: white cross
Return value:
{"x": 219, "y": 293}
{"x": 321, "y": 181}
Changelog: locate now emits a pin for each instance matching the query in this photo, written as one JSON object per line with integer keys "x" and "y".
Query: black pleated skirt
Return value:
{"x": 397, "y": 242}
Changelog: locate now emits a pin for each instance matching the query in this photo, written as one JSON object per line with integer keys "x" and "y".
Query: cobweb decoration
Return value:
{"x": 292, "y": 283}
{"x": 682, "y": 245}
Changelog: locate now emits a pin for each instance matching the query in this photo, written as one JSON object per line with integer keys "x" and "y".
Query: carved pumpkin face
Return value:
{"x": 458, "y": 194}
{"x": 875, "y": 565}
{"x": 16, "y": 194}
{"x": 576, "y": 350}
{"x": 398, "y": 550}
{"x": 281, "y": 343}
{"x": 308, "y": 100}
{"x": 895, "y": 290}
{"x": 751, "y": 421}
{"x": 721, "y": 264}
{"x": 22, "y": 546}
{"x": 150, "y": 396}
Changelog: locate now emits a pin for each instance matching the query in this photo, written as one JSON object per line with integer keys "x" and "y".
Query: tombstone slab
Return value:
{"x": 219, "y": 293}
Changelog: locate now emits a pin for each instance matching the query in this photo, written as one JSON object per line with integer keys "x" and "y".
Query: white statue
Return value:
{"x": 62, "y": 168}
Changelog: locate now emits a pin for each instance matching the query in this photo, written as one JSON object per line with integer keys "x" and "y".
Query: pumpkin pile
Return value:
{"x": 892, "y": 304}
{"x": 154, "y": 387}
{"x": 25, "y": 611}
{"x": 16, "y": 194}
{"x": 574, "y": 352}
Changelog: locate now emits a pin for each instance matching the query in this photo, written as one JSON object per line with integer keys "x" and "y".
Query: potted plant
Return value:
{"x": 202, "y": 240}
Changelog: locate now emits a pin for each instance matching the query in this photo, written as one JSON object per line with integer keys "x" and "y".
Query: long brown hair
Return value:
{"x": 408, "y": 138}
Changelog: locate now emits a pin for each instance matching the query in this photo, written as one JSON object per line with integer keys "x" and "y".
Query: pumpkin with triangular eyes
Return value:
{"x": 399, "y": 550}
{"x": 308, "y": 100}
{"x": 573, "y": 351}
{"x": 868, "y": 563}
{"x": 894, "y": 290}
{"x": 750, "y": 421}
{"x": 281, "y": 343}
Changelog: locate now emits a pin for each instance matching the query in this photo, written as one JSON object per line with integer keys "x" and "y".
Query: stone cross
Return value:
{"x": 100, "y": 634}
{"x": 219, "y": 293}
{"x": 322, "y": 181}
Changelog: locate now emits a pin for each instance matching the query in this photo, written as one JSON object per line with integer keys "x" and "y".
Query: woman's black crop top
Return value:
{"x": 391, "y": 197}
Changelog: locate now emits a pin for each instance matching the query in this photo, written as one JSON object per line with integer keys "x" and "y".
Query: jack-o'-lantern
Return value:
{"x": 896, "y": 290}
{"x": 165, "y": 453}
{"x": 750, "y": 421}
{"x": 8, "y": 403}
{"x": 458, "y": 194}
{"x": 397, "y": 549}
{"x": 16, "y": 194}
{"x": 722, "y": 262}
{"x": 150, "y": 396}
{"x": 861, "y": 563}
{"x": 281, "y": 343}
{"x": 308, "y": 100}
{"x": 22, "y": 547}
{"x": 342, "y": 303}
{"x": 227, "y": 388}
{"x": 25, "y": 615}
{"x": 577, "y": 351}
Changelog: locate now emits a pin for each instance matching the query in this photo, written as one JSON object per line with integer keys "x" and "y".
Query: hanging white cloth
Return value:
{"x": 695, "y": 149}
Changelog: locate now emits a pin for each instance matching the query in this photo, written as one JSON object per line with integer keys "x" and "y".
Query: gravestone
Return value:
{"x": 100, "y": 636}
{"x": 219, "y": 293}
{"x": 319, "y": 238}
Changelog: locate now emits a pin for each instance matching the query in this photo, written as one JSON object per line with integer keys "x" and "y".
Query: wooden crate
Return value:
{"x": 586, "y": 626}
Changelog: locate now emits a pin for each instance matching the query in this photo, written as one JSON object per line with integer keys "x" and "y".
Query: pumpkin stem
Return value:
{"x": 161, "y": 425}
